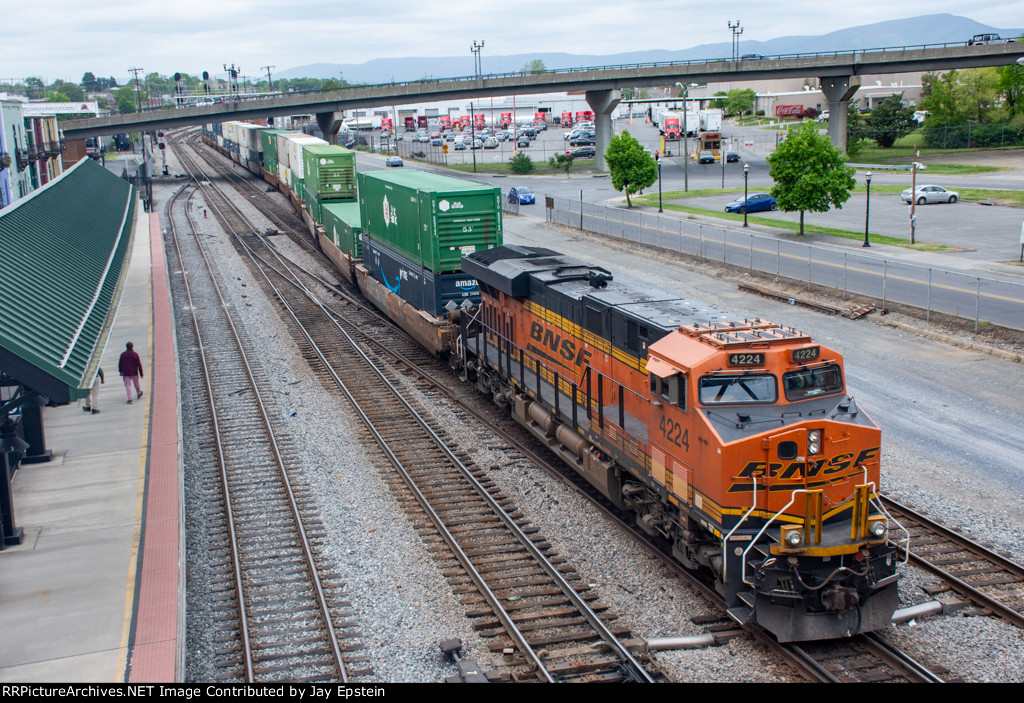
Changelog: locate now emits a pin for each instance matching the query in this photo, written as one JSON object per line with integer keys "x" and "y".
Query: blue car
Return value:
{"x": 523, "y": 196}
{"x": 754, "y": 203}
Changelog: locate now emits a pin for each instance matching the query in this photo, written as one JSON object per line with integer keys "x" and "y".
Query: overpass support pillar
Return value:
{"x": 330, "y": 124}
{"x": 602, "y": 102}
{"x": 838, "y": 91}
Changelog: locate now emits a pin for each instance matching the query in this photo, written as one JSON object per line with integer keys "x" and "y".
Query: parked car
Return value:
{"x": 477, "y": 144}
{"x": 731, "y": 156}
{"x": 705, "y": 157}
{"x": 437, "y": 141}
{"x": 583, "y": 152}
{"x": 523, "y": 141}
{"x": 521, "y": 195}
{"x": 491, "y": 143}
{"x": 930, "y": 194}
{"x": 394, "y": 161}
{"x": 582, "y": 140}
{"x": 459, "y": 145}
{"x": 754, "y": 203}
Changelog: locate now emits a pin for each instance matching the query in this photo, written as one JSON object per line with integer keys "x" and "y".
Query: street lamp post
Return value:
{"x": 659, "y": 185}
{"x": 746, "y": 178}
{"x": 686, "y": 138}
{"x": 867, "y": 209}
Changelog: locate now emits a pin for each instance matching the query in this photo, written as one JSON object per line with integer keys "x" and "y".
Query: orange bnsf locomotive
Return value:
{"x": 734, "y": 441}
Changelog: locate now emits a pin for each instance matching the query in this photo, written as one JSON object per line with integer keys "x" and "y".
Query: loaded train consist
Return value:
{"x": 733, "y": 441}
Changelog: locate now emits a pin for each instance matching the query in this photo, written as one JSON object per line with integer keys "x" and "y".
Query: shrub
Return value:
{"x": 521, "y": 163}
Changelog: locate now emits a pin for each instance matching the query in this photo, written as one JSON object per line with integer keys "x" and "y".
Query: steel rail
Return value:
{"x": 282, "y": 469}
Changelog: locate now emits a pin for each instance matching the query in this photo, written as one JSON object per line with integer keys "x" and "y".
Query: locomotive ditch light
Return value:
{"x": 877, "y": 526}
{"x": 814, "y": 442}
{"x": 792, "y": 536}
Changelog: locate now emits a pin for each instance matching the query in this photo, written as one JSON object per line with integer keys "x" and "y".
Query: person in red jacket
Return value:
{"x": 130, "y": 368}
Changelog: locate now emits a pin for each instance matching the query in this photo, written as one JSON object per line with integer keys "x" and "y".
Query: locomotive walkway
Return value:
{"x": 93, "y": 593}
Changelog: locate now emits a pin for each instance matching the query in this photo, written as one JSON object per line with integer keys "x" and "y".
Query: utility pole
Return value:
{"x": 269, "y": 80}
{"x": 138, "y": 96}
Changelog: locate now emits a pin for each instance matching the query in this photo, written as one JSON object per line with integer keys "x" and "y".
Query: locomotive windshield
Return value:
{"x": 751, "y": 388}
{"x": 810, "y": 382}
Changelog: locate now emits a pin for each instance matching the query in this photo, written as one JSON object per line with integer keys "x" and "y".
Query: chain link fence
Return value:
{"x": 984, "y": 300}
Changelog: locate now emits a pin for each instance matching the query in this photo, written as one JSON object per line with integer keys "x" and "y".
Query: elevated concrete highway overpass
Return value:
{"x": 839, "y": 74}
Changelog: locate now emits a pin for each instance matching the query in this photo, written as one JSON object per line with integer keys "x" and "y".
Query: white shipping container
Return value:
{"x": 295, "y": 144}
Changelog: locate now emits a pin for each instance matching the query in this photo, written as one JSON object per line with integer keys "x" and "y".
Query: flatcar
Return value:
{"x": 733, "y": 441}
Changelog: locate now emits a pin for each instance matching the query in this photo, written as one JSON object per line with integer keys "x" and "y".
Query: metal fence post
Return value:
{"x": 885, "y": 263}
{"x": 928, "y": 299}
{"x": 977, "y": 304}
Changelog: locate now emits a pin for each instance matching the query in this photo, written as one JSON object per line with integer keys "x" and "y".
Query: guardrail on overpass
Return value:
{"x": 985, "y": 300}
{"x": 925, "y": 57}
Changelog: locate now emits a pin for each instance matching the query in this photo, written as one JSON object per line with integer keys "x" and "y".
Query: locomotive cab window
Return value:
{"x": 735, "y": 389}
{"x": 671, "y": 389}
{"x": 806, "y": 383}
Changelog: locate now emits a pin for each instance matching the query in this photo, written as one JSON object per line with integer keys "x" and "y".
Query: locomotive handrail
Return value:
{"x": 743, "y": 566}
{"x": 881, "y": 508}
{"x": 725, "y": 540}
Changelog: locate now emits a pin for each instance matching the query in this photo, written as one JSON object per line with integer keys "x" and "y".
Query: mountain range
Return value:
{"x": 926, "y": 29}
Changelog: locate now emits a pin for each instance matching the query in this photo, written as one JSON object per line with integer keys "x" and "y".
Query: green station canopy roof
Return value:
{"x": 63, "y": 260}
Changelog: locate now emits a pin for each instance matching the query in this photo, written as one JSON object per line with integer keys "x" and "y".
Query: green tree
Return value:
{"x": 1011, "y": 89}
{"x": 34, "y": 88}
{"x": 521, "y": 163}
{"x": 809, "y": 173}
{"x": 125, "y": 97}
{"x": 562, "y": 162}
{"x": 632, "y": 168}
{"x": 740, "y": 101}
{"x": 856, "y": 130}
{"x": 533, "y": 67}
{"x": 719, "y": 102}
{"x": 89, "y": 82}
{"x": 72, "y": 90}
{"x": 890, "y": 120}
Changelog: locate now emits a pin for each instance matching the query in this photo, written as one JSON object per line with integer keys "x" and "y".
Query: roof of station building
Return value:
{"x": 63, "y": 258}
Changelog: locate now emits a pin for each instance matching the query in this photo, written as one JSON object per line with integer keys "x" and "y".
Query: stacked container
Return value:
{"x": 342, "y": 225}
{"x": 431, "y": 220}
{"x": 268, "y": 139}
{"x": 329, "y": 174}
{"x": 293, "y": 144}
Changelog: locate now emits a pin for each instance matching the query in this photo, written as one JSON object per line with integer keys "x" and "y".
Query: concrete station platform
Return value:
{"x": 95, "y": 591}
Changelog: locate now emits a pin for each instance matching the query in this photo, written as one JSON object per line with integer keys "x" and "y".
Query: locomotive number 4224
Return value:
{"x": 674, "y": 432}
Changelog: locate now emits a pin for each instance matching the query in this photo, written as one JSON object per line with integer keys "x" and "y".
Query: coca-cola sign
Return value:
{"x": 789, "y": 110}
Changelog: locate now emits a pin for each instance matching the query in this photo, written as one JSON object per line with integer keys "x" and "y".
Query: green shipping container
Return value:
{"x": 329, "y": 172}
{"x": 268, "y": 140}
{"x": 430, "y": 219}
{"x": 342, "y": 224}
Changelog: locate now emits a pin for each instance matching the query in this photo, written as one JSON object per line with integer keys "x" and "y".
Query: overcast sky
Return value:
{"x": 65, "y": 38}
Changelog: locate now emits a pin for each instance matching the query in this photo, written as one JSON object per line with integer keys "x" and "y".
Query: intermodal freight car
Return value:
{"x": 734, "y": 442}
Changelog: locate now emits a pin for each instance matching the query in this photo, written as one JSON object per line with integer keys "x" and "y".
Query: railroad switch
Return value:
{"x": 468, "y": 670}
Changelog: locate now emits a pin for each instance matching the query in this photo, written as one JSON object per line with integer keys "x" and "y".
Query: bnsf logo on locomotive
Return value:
{"x": 564, "y": 347}
{"x": 825, "y": 470}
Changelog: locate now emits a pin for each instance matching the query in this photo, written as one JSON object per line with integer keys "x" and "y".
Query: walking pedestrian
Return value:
{"x": 92, "y": 403}
{"x": 130, "y": 368}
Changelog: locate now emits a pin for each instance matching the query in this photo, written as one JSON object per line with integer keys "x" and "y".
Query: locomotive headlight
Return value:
{"x": 792, "y": 536}
{"x": 814, "y": 442}
{"x": 877, "y": 527}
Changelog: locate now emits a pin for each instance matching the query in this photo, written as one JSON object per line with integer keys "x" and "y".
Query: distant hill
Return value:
{"x": 927, "y": 29}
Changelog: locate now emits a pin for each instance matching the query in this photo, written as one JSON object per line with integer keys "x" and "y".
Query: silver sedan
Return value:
{"x": 930, "y": 194}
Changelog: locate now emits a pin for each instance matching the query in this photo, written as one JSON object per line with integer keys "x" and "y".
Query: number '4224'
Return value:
{"x": 674, "y": 432}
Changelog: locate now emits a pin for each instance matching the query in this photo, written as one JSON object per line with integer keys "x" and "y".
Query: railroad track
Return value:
{"x": 534, "y": 606}
{"x": 973, "y": 571}
{"x": 278, "y": 621}
{"x": 862, "y": 663}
